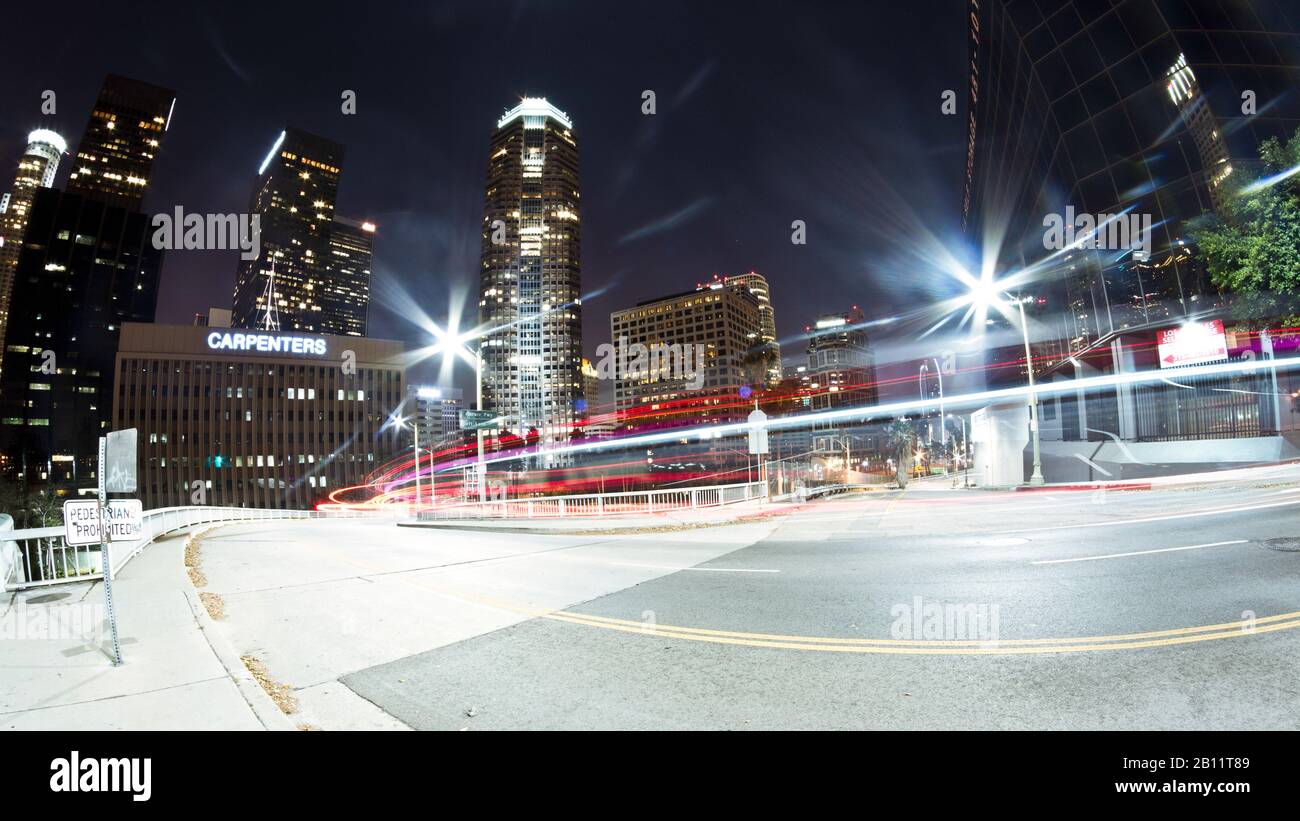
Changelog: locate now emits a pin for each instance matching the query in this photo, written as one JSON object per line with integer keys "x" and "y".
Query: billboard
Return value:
{"x": 1195, "y": 343}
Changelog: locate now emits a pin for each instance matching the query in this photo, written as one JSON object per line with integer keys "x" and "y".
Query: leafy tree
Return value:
{"x": 1252, "y": 246}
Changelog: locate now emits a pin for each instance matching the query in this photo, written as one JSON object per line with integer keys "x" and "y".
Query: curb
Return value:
{"x": 1081, "y": 488}
{"x": 264, "y": 709}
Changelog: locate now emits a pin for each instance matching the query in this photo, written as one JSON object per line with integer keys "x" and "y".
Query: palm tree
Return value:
{"x": 902, "y": 436}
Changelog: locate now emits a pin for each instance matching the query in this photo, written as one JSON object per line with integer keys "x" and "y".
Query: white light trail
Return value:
{"x": 896, "y": 409}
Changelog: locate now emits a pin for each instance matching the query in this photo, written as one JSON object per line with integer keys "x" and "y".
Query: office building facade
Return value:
{"x": 841, "y": 368}
{"x": 435, "y": 412}
{"x": 710, "y": 332}
{"x": 756, "y": 284}
{"x": 530, "y": 281}
{"x": 313, "y": 272}
{"x": 116, "y": 154}
{"x": 345, "y": 302}
{"x": 246, "y": 418}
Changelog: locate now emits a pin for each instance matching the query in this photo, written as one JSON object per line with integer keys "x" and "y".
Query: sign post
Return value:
{"x": 105, "y": 556}
{"x": 121, "y": 521}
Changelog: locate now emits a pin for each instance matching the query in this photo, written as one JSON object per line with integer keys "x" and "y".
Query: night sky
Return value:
{"x": 827, "y": 112}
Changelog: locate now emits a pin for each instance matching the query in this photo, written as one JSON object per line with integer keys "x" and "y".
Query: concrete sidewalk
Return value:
{"x": 58, "y": 674}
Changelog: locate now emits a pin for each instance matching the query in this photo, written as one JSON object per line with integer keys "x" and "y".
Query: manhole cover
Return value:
{"x": 47, "y": 598}
{"x": 1286, "y": 545}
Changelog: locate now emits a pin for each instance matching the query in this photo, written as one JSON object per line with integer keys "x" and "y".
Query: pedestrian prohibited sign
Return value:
{"x": 123, "y": 521}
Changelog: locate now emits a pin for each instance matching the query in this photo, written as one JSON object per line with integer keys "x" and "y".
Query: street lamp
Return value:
{"x": 986, "y": 293}
{"x": 453, "y": 345}
{"x": 921, "y": 376}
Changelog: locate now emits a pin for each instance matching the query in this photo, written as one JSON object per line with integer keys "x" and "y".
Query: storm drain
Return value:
{"x": 1286, "y": 545}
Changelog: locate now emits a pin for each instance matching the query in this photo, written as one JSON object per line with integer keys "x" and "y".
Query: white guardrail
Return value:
{"x": 38, "y": 557}
{"x": 600, "y": 504}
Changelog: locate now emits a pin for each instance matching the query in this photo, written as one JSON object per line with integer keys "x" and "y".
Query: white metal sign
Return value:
{"x": 119, "y": 462}
{"x": 1195, "y": 343}
{"x": 123, "y": 519}
{"x": 758, "y": 433}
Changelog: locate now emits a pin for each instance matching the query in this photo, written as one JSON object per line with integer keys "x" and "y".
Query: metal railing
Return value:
{"x": 600, "y": 504}
{"x": 39, "y": 557}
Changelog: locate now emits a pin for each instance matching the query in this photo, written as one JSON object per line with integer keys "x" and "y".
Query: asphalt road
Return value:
{"x": 924, "y": 609}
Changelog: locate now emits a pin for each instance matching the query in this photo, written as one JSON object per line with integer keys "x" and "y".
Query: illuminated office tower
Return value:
{"x": 530, "y": 278}
{"x": 769, "y": 348}
{"x": 345, "y": 289}
{"x": 841, "y": 365}
{"x": 316, "y": 265}
{"x": 116, "y": 153}
{"x": 36, "y": 169}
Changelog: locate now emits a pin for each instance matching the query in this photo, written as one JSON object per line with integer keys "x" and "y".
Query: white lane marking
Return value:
{"x": 1139, "y": 553}
{"x": 1288, "y": 490}
{"x": 1156, "y": 518}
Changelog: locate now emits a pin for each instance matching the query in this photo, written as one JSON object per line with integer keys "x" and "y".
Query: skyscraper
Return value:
{"x": 530, "y": 280}
{"x": 87, "y": 264}
{"x": 36, "y": 169}
{"x": 769, "y": 347}
{"x": 304, "y": 246}
{"x": 841, "y": 365}
{"x": 86, "y": 267}
{"x": 345, "y": 298}
{"x": 116, "y": 153}
{"x": 1137, "y": 107}
{"x": 715, "y": 330}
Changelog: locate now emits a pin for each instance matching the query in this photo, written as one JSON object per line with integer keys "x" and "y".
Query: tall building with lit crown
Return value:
{"x": 116, "y": 154}
{"x": 769, "y": 346}
{"x": 530, "y": 281}
{"x": 36, "y": 170}
{"x": 315, "y": 265}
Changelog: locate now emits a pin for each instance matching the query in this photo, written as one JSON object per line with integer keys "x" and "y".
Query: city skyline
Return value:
{"x": 415, "y": 160}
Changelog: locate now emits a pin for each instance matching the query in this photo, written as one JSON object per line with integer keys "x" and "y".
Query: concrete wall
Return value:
{"x": 999, "y": 434}
{"x": 1111, "y": 460}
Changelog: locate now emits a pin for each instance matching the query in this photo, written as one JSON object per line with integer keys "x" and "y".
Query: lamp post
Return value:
{"x": 452, "y": 344}
{"x": 984, "y": 292}
{"x": 1036, "y": 479}
{"x": 415, "y": 433}
{"x": 480, "y": 468}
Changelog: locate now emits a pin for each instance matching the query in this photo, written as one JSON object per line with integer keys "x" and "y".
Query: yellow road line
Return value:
{"x": 1121, "y": 637}
{"x": 989, "y": 648}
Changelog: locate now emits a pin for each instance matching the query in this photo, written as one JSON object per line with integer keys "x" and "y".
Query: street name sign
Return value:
{"x": 477, "y": 420}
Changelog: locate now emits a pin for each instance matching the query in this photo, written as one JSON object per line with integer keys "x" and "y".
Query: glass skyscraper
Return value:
{"x": 1113, "y": 107}
{"x": 530, "y": 279}
{"x": 87, "y": 264}
{"x": 316, "y": 266}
